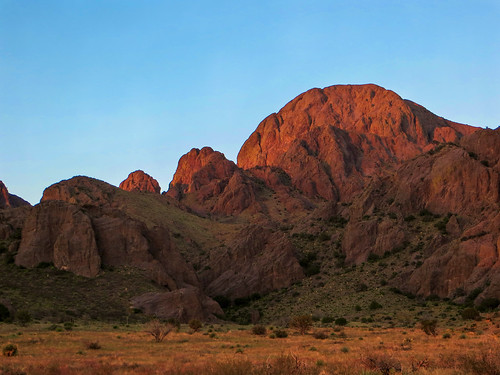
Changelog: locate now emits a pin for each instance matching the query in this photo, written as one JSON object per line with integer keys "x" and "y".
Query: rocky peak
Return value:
{"x": 140, "y": 181}
{"x": 327, "y": 140}
{"x": 198, "y": 168}
{"x": 10, "y": 200}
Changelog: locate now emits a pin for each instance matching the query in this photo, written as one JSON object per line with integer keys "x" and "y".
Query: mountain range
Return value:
{"x": 338, "y": 178}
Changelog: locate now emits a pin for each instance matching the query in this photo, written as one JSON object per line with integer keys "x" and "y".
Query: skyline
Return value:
{"x": 105, "y": 88}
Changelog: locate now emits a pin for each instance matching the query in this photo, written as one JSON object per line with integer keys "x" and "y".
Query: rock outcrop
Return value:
{"x": 208, "y": 182}
{"x": 140, "y": 181}
{"x": 79, "y": 226}
{"x": 181, "y": 304}
{"x": 463, "y": 194}
{"x": 8, "y": 200}
{"x": 258, "y": 261}
{"x": 328, "y": 140}
{"x": 59, "y": 233}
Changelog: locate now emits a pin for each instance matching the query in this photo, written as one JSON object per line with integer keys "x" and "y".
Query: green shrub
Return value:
{"x": 68, "y": 326}
{"x": 281, "y": 333}
{"x": 4, "y": 313}
{"x": 374, "y": 305}
{"x": 23, "y": 317}
{"x": 446, "y": 335}
{"x": 9, "y": 350}
{"x": 195, "y": 325}
{"x": 259, "y": 330}
{"x": 372, "y": 257}
{"x": 470, "y": 313}
{"x": 488, "y": 304}
{"x": 341, "y": 321}
{"x": 327, "y": 319}
{"x": 222, "y": 301}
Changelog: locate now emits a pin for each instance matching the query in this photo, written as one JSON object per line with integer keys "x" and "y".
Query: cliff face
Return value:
{"x": 460, "y": 186}
{"x": 328, "y": 140}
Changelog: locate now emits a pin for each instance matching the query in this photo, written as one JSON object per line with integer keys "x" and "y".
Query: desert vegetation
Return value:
{"x": 97, "y": 348}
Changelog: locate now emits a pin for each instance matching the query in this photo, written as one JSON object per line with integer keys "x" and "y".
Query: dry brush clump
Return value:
{"x": 484, "y": 363}
{"x": 195, "y": 325}
{"x": 302, "y": 323}
{"x": 9, "y": 350}
{"x": 159, "y": 330}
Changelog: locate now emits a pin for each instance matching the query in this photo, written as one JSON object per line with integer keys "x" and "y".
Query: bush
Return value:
{"x": 341, "y": 321}
{"x": 159, "y": 330}
{"x": 320, "y": 335}
{"x": 327, "y": 319}
{"x": 4, "y": 313}
{"x": 222, "y": 301}
{"x": 362, "y": 287}
{"x": 93, "y": 345}
{"x": 382, "y": 363}
{"x": 23, "y": 317}
{"x": 470, "y": 313}
{"x": 324, "y": 236}
{"x": 9, "y": 350}
{"x": 374, "y": 305}
{"x": 195, "y": 325}
{"x": 259, "y": 330}
{"x": 446, "y": 335}
{"x": 429, "y": 327}
{"x": 302, "y": 323}
{"x": 488, "y": 304}
{"x": 281, "y": 333}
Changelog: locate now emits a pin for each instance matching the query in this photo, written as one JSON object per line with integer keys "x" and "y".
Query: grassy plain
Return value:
{"x": 473, "y": 348}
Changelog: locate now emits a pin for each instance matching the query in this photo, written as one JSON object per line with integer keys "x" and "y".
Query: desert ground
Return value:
{"x": 95, "y": 348}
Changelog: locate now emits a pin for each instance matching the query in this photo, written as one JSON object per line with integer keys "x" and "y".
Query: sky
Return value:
{"x": 105, "y": 87}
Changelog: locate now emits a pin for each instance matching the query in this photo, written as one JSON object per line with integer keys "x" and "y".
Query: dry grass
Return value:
{"x": 231, "y": 350}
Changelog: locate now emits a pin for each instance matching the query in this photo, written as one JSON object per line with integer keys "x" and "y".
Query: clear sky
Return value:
{"x": 104, "y": 87}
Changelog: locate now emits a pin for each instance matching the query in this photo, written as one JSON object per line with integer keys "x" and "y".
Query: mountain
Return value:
{"x": 340, "y": 180}
{"x": 330, "y": 140}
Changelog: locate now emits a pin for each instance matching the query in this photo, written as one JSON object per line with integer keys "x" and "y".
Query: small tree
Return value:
{"x": 195, "y": 325}
{"x": 302, "y": 323}
{"x": 158, "y": 329}
{"x": 429, "y": 327}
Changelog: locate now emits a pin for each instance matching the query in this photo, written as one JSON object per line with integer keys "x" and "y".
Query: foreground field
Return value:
{"x": 223, "y": 349}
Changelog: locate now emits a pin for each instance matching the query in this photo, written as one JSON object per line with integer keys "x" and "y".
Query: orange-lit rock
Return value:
{"x": 140, "y": 181}
{"x": 328, "y": 140}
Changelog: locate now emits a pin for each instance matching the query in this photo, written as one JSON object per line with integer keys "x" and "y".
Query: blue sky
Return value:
{"x": 104, "y": 87}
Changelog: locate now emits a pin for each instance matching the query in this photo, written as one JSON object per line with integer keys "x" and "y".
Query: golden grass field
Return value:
{"x": 229, "y": 349}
